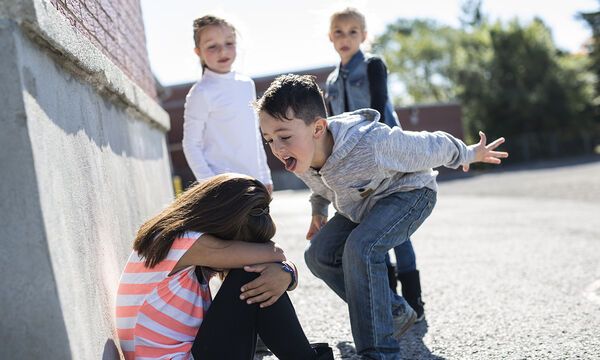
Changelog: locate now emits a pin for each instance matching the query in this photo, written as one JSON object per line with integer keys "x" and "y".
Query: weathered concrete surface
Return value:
{"x": 83, "y": 161}
{"x": 510, "y": 267}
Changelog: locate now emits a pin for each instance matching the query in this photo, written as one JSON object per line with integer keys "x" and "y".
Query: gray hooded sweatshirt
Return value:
{"x": 370, "y": 161}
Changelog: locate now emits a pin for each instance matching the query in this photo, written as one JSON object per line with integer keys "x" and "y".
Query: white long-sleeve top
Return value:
{"x": 220, "y": 130}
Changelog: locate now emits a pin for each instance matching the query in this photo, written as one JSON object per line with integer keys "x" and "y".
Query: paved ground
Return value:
{"x": 510, "y": 268}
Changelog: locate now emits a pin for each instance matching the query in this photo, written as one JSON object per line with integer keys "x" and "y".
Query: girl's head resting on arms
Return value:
{"x": 228, "y": 206}
{"x": 347, "y": 31}
{"x": 215, "y": 43}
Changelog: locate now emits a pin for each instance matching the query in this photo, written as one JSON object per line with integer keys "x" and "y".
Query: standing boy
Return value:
{"x": 380, "y": 181}
{"x": 360, "y": 81}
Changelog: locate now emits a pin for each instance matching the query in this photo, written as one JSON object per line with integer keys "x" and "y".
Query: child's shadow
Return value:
{"x": 411, "y": 345}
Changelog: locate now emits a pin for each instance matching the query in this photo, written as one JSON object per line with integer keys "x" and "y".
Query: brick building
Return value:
{"x": 431, "y": 117}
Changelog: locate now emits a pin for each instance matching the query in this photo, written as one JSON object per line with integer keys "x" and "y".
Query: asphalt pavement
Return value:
{"x": 509, "y": 262}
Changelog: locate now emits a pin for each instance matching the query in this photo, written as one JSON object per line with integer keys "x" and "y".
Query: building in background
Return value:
{"x": 84, "y": 162}
{"x": 430, "y": 117}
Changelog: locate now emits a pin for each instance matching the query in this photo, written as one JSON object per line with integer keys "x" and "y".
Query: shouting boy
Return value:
{"x": 380, "y": 181}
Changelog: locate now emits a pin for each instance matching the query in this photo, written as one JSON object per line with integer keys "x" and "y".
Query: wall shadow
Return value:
{"x": 110, "y": 350}
{"x": 78, "y": 107}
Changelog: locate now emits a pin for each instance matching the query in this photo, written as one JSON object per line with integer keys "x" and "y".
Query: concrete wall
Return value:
{"x": 83, "y": 162}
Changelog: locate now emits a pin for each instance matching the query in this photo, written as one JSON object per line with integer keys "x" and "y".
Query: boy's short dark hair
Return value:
{"x": 298, "y": 93}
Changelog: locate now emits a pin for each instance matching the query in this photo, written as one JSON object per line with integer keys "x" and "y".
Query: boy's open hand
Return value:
{"x": 485, "y": 153}
{"x": 268, "y": 287}
{"x": 316, "y": 223}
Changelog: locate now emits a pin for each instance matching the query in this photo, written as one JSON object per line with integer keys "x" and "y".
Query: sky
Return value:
{"x": 284, "y": 36}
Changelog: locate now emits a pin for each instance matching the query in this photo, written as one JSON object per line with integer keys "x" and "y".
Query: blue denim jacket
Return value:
{"x": 359, "y": 95}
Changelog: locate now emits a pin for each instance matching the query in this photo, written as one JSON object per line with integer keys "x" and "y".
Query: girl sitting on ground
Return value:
{"x": 164, "y": 305}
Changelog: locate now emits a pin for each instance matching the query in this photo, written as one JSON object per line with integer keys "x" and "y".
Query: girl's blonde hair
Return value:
{"x": 202, "y": 23}
{"x": 349, "y": 13}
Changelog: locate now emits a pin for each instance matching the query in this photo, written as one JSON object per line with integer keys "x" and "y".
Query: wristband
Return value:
{"x": 289, "y": 268}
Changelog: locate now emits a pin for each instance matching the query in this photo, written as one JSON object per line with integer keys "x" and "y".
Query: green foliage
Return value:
{"x": 510, "y": 79}
{"x": 593, "y": 21}
{"x": 419, "y": 53}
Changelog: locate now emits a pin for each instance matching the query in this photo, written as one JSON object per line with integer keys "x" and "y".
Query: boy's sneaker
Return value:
{"x": 403, "y": 321}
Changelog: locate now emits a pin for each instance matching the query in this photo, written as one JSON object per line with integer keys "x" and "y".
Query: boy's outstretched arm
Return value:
{"x": 485, "y": 153}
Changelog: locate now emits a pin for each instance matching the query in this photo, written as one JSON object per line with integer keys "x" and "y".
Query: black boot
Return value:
{"x": 411, "y": 291}
{"x": 324, "y": 352}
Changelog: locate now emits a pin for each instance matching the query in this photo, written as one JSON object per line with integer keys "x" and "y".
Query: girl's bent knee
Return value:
{"x": 240, "y": 276}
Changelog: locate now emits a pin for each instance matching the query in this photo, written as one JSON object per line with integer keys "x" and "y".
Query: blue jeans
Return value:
{"x": 405, "y": 257}
{"x": 350, "y": 258}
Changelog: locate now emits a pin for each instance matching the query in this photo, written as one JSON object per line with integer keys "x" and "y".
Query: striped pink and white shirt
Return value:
{"x": 159, "y": 315}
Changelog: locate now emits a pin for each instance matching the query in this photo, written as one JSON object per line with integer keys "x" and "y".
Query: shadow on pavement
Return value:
{"x": 412, "y": 345}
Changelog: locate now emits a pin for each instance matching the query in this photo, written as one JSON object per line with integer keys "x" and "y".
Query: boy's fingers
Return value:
{"x": 492, "y": 160}
{"x": 465, "y": 168}
{"x": 482, "y": 138}
{"x": 495, "y": 144}
{"x": 498, "y": 154}
{"x": 309, "y": 234}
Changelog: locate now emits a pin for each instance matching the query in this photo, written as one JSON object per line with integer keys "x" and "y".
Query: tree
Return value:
{"x": 527, "y": 87}
{"x": 418, "y": 53}
{"x": 593, "y": 47}
{"x": 510, "y": 78}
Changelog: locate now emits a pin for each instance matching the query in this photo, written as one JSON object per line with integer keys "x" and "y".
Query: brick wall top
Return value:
{"x": 115, "y": 27}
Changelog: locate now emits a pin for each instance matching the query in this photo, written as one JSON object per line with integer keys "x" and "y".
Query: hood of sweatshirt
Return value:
{"x": 348, "y": 130}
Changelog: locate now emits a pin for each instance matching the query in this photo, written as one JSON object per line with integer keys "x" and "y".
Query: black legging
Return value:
{"x": 230, "y": 326}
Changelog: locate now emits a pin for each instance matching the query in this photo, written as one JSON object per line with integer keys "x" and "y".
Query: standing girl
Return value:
{"x": 220, "y": 130}
{"x": 164, "y": 307}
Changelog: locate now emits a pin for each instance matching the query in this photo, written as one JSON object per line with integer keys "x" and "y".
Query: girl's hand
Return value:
{"x": 268, "y": 287}
{"x": 485, "y": 153}
{"x": 316, "y": 223}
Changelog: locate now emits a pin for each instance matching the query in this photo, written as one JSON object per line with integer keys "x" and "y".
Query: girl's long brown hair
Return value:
{"x": 228, "y": 206}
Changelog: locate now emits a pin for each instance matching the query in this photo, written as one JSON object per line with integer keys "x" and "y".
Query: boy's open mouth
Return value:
{"x": 290, "y": 163}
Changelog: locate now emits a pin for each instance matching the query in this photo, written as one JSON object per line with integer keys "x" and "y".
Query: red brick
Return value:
{"x": 115, "y": 27}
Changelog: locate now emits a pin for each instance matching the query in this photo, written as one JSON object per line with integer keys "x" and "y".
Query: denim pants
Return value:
{"x": 405, "y": 258}
{"x": 350, "y": 258}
